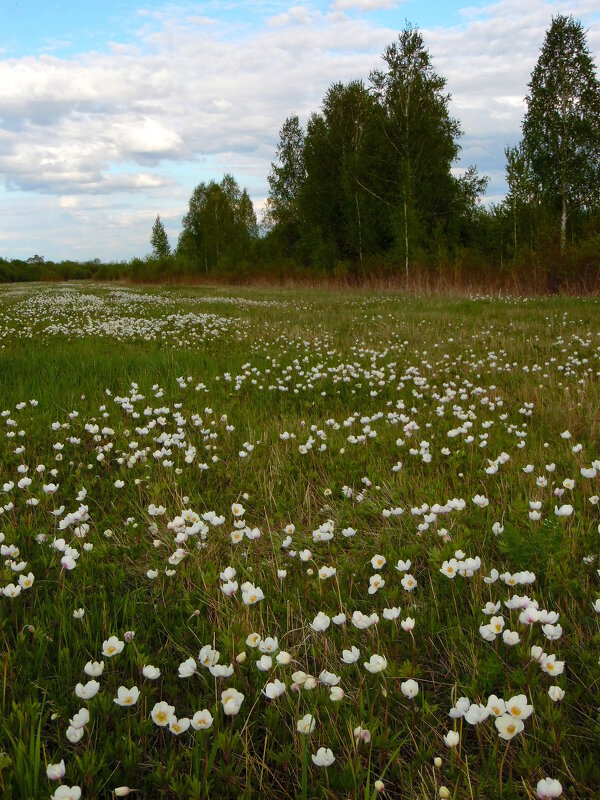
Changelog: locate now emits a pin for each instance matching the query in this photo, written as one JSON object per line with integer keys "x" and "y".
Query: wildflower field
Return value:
{"x": 292, "y": 544}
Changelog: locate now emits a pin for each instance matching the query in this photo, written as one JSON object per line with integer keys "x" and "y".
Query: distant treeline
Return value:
{"x": 367, "y": 191}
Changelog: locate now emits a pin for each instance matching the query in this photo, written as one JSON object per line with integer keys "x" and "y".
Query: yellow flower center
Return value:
{"x": 515, "y": 711}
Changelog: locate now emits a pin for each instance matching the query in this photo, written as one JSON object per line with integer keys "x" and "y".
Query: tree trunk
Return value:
{"x": 359, "y": 227}
{"x": 405, "y": 239}
{"x": 563, "y": 225}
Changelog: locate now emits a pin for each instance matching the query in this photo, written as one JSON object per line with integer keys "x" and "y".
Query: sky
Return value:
{"x": 111, "y": 112}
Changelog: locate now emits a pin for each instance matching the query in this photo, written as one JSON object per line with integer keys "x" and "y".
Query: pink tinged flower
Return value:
{"x": 529, "y": 615}
{"x": 56, "y": 772}
{"x": 362, "y": 734}
{"x": 537, "y": 653}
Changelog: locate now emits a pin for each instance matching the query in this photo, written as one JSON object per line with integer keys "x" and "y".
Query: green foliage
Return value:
{"x": 219, "y": 227}
{"x": 161, "y": 249}
{"x": 561, "y": 128}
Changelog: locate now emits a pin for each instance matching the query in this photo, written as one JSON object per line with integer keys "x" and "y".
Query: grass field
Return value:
{"x": 296, "y": 530}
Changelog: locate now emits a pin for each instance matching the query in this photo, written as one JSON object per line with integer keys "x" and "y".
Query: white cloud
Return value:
{"x": 138, "y": 126}
{"x": 365, "y": 5}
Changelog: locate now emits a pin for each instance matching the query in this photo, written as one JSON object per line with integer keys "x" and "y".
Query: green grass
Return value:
{"x": 349, "y": 353}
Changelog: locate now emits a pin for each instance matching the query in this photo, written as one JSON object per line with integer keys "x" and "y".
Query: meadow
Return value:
{"x": 298, "y": 544}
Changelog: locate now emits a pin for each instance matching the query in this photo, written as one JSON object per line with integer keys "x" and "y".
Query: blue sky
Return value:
{"x": 64, "y": 28}
{"x": 112, "y": 111}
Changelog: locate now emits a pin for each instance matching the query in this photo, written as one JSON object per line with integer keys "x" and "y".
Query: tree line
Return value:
{"x": 369, "y": 189}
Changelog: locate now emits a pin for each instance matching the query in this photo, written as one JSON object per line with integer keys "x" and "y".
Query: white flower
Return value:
{"x": 94, "y": 668}
{"x": 55, "y": 772}
{"x": 67, "y": 793}
{"x": 80, "y": 719}
{"x": 202, "y": 720}
{"x": 187, "y": 667}
{"x": 409, "y": 688}
{"x": 306, "y": 724}
{"x": 162, "y": 714}
{"x": 112, "y": 646}
{"x": 376, "y": 664}
{"x": 451, "y": 739}
{"x": 88, "y": 690}
{"x": 563, "y": 511}
{"x": 150, "y": 672}
{"x": 323, "y": 758}
{"x": 477, "y": 713}
{"x": 336, "y": 693}
{"x": 508, "y": 726}
{"x": 408, "y": 582}
{"x": 548, "y": 788}
{"x": 460, "y": 708}
{"x": 511, "y": 638}
{"x": 320, "y": 623}
{"x": 127, "y": 697}
{"x": 74, "y": 735}
{"x": 556, "y": 694}
{"x": 274, "y": 689}
{"x": 408, "y": 624}
{"x": 350, "y": 656}
{"x": 178, "y": 726}
{"x": 232, "y": 701}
